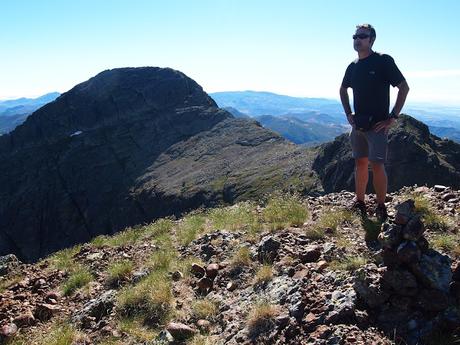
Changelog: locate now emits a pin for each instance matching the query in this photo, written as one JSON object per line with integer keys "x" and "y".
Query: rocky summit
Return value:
{"x": 287, "y": 270}
{"x": 414, "y": 157}
{"x": 128, "y": 146}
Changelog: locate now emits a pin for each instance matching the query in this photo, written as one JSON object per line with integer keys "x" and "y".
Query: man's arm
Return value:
{"x": 403, "y": 90}
{"x": 346, "y": 104}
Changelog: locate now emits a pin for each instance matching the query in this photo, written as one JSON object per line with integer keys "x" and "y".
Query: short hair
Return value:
{"x": 368, "y": 27}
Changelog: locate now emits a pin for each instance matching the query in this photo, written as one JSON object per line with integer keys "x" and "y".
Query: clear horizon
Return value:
{"x": 297, "y": 48}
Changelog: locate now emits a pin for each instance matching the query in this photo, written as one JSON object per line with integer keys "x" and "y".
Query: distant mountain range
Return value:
{"x": 14, "y": 112}
{"x": 306, "y": 121}
{"x": 326, "y": 113}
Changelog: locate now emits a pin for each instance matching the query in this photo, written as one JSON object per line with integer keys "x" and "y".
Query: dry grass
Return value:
{"x": 263, "y": 275}
{"x": 331, "y": 218}
{"x": 6, "y": 282}
{"x": 431, "y": 218}
{"x": 136, "y": 328}
{"x": 241, "y": 217}
{"x": 449, "y": 243}
{"x": 204, "y": 309}
{"x": 64, "y": 259}
{"x": 261, "y": 318}
{"x": 348, "y": 263}
{"x": 60, "y": 333}
{"x": 242, "y": 257}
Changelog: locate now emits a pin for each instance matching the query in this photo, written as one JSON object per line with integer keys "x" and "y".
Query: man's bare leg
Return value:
{"x": 380, "y": 181}
{"x": 361, "y": 177}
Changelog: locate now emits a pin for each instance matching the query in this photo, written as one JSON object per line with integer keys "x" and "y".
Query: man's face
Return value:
{"x": 362, "y": 40}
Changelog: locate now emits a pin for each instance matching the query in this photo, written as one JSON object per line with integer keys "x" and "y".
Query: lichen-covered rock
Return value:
{"x": 267, "y": 250}
{"x": 404, "y": 212}
{"x": 367, "y": 286}
{"x": 433, "y": 270}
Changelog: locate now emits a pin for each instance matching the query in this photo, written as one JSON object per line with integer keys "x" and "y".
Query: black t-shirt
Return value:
{"x": 370, "y": 79}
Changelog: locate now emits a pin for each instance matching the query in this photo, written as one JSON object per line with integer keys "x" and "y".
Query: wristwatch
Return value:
{"x": 393, "y": 115}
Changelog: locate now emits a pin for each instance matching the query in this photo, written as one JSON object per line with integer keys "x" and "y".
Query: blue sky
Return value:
{"x": 293, "y": 47}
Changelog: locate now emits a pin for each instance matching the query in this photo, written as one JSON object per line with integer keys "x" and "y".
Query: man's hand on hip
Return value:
{"x": 384, "y": 125}
{"x": 350, "y": 119}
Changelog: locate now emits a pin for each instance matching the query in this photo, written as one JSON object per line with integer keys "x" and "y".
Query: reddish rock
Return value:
{"x": 52, "y": 297}
{"x": 44, "y": 311}
{"x": 26, "y": 319}
{"x": 180, "y": 331}
{"x": 212, "y": 270}
{"x": 310, "y": 254}
{"x": 301, "y": 274}
{"x": 197, "y": 270}
{"x": 8, "y": 331}
{"x": 205, "y": 284}
{"x": 321, "y": 332}
{"x": 203, "y": 325}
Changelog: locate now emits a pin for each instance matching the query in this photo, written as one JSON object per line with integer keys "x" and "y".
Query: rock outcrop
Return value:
{"x": 414, "y": 157}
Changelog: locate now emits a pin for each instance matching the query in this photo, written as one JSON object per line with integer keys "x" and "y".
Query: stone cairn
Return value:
{"x": 413, "y": 291}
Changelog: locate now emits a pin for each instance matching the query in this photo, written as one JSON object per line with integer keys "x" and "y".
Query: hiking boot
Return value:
{"x": 359, "y": 207}
{"x": 381, "y": 213}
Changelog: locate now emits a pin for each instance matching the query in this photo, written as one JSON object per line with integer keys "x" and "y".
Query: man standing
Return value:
{"x": 370, "y": 77}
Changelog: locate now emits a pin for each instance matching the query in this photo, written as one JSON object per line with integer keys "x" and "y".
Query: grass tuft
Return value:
{"x": 242, "y": 257}
{"x": 261, "y": 318}
{"x": 263, "y": 275}
{"x": 331, "y": 218}
{"x": 284, "y": 210}
{"x": 204, "y": 309}
{"x": 63, "y": 260}
{"x": 150, "y": 300}
{"x": 241, "y": 216}
{"x": 348, "y": 263}
{"x": 448, "y": 243}
{"x": 76, "y": 280}
{"x": 190, "y": 227}
{"x": 119, "y": 272}
{"x": 431, "y": 218}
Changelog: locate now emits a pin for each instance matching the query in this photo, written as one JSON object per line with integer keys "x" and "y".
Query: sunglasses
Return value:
{"x": 361, "y": 36}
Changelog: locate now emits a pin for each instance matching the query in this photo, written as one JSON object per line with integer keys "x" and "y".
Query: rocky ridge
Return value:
{"x": 331, "y": 278}
{"x": 128, "y": 146}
